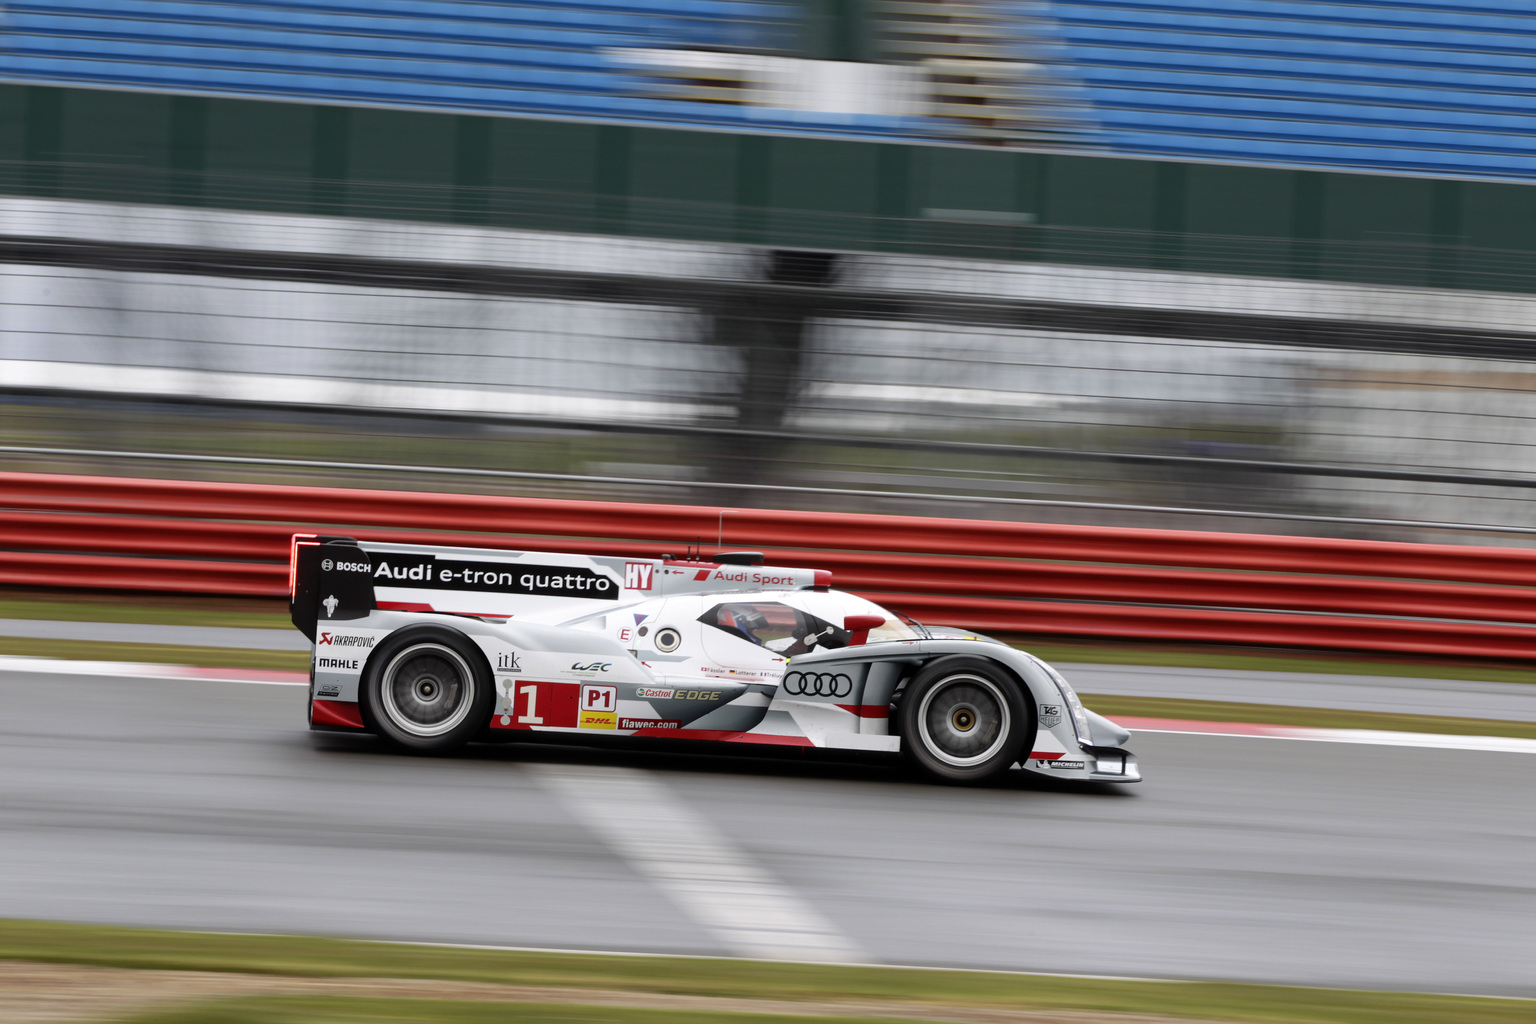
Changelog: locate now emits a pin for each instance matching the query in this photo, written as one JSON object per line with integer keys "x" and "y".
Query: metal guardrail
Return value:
{"x": 574, "y": 478}
{"x": 1024, "y": 578}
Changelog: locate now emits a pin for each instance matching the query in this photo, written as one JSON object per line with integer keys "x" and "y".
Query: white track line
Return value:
{"x": 711, "y": 879}
{"x": 1372, "y": 737}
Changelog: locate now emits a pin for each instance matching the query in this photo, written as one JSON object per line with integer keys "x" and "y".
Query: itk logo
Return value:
{"x": 507, "y": 662}
{"x": 637, "y": 575}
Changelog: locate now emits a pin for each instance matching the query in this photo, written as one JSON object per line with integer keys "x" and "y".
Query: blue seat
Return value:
{"x": 1413, "y": 85}
{"x": 1408, "y": 85}
{"x": 75, "y": 34}
{"x": 539, "y": 58}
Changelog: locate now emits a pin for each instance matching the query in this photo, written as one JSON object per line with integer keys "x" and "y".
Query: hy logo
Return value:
{"x": 637, "y": 575}
{"x": 330, "y": 605}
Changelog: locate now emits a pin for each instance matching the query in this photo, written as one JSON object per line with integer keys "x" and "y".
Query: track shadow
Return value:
{"x": 764, "y": 762}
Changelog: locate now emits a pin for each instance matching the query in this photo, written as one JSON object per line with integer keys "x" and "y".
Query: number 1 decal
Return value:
{"x": 532, "y": 717}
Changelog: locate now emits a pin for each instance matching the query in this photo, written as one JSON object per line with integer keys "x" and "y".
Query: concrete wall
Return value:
{"x": 792, "y": 192}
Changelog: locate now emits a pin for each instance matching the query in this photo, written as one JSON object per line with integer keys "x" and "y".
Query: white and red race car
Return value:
{"x": 433, "y": 647}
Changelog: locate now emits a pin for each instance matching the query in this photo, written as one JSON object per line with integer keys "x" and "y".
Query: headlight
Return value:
{"x": 1079, "y": 714}
{"x": 1079, "y": 718}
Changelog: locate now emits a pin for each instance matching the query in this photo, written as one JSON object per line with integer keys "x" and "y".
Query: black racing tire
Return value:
{"x": 427, "y": 689}
{"x": 964, "y": 719}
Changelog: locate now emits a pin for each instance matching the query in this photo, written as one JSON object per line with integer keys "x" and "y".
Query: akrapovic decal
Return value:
{"x": 328, "y": 639}
{"x": 393, "y": 570}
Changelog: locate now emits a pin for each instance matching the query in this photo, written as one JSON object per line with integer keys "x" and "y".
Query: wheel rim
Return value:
{"x": 425, "y": 689}
{"x": 964, "y": 720}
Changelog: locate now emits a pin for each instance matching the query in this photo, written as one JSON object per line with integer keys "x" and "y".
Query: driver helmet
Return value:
{"x": 747, "y": 620}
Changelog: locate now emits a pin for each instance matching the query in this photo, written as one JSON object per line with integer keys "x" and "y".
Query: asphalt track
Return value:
{"x": 207, "y": 805}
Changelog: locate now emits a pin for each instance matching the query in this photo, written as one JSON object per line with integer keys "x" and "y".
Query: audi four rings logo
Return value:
{"x": 818, "y": 684}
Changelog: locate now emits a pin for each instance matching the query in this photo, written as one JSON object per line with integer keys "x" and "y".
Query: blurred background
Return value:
{"x": 1263, "y": 266}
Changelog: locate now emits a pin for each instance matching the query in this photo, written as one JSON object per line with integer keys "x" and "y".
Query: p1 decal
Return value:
{"x": 599, "y": 707}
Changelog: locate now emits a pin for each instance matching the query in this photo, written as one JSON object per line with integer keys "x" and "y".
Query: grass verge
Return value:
{"x": 163, "y": 654}
{"x": 151, "y": 609}
{"x": 355, "y": 1010}
{"x": 1319, "y": 718}
{"x": 324, "y": 957}
{"x": 1247, "y": 660}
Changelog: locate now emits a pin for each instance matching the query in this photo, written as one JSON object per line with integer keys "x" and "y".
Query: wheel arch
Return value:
{"x": 914, "y": 667}
{"x": 466, "y": 645}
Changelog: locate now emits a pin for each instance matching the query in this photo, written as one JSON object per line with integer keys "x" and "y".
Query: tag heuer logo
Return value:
{"x": 1050, "y": 715}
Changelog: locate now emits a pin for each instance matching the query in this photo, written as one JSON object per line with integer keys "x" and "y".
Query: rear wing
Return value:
{"x": 333, "y": 579}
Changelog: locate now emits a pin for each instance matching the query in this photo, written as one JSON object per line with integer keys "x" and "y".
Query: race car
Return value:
{"x": 433, "y": 647}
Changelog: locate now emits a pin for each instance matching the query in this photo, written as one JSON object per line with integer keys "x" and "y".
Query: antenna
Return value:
{"x": 720, "y": 529}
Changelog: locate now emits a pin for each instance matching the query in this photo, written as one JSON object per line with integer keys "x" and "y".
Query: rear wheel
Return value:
{"x": 963, "y": 719}
{"x": 427, "y": 688}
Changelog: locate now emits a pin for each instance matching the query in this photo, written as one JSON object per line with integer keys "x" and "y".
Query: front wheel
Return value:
{"x": 427, "y": 689}
{"x": 963, "y": 719}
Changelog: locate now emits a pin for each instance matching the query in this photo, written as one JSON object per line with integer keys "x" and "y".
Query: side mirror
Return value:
{"x": 858, "y": 627}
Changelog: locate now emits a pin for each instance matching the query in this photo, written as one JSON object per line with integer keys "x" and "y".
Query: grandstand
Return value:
{"x": 1401, "y": 85}
{"x": 1409, "y": 86}
{"x": 559, "y": 59}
